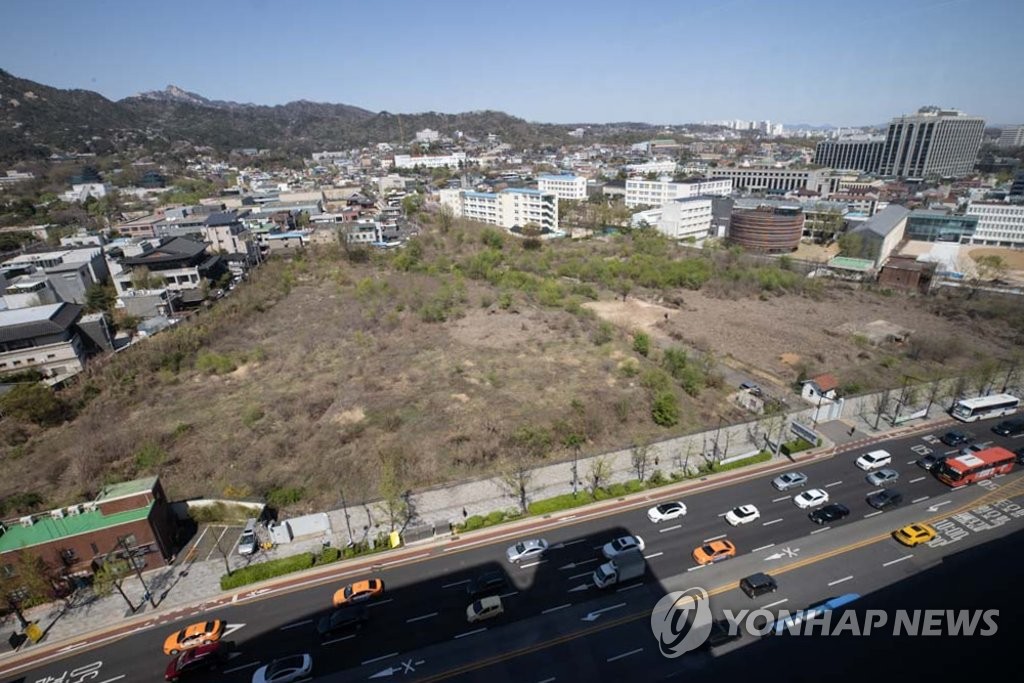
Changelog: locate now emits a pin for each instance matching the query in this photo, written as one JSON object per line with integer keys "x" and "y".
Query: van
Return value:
{"x": 758, "y": 584}
{"x": 247, "y": 542}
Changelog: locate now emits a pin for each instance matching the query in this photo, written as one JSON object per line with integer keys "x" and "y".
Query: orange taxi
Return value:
{"x": 203, "y": 633}
{"x": 358, "y": 592}
{"x": 715, "y": 551}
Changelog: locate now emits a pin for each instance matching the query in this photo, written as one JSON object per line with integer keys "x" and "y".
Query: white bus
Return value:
{"x": 984, "y": 407}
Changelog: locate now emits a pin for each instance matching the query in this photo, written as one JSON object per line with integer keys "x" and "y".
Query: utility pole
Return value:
{"x": 138, "y": 572}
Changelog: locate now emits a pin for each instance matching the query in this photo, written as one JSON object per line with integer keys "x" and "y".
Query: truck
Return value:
{"x": 623, "y": 567}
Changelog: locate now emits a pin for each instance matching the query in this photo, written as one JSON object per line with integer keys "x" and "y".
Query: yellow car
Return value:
{"x": 914, "y": 534}
{"x": 358, "y": 592}
{"x": 203, "y": 633}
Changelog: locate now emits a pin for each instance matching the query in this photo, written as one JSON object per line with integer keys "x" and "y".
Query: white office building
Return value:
{"x": 1012, "y": 136}
{"x": 667, "y": 166}
{"x": 564, "y": 186}
{"x": 453, "y": 160}
{"x": 761, "y": 178}
{"x": 932, "y": 142}
{"x": 999, "y": 225}
{"x": 510, "y": 208}
{"x": 641, "y": 192}
{"x": 862, "y": 153}
{"x": 679, "y": 219}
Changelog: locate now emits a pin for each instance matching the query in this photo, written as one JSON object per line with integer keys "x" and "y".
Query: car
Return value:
{"x": 525, "y": 550}
{"x": 828, "y": 514}
{"x": 811, "y": 498}
{"x": 622, "y": 545}
{"x": 1020, "y": 455}
{"x": 247, "y": 542}
{"x": 874, "y": 460}
{"x": 744, "y": 514}
{"x": 955, "y": 437}
{"x": 358, "y": 592}
{"x": 720, "y": 634}
{"x": 882, "y": 476}
{"x": 715, "y": 551}
{"x": 752, "y": 388}
{"x": 914, "y": 534}
{"x": 931, "y": 461}
{"x": 666, "y": 511}
{"x": 345, "y": 618}
{"x": 484, "y": 608}
{"x": 201, "y": 633}
{"x": 284, "y": 670}
{"x": 202, "y": 658}
{"x": 488, "y": 583}
{"x": 975, "y": 447}
{"x": 758, "y": 584}
{"x": 883, "y": 499}
{"x": 789, "y": 480}
{"x": 1010, "y": 427}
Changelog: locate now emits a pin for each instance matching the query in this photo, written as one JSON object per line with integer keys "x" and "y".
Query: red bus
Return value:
{"x": 967, "y": 469}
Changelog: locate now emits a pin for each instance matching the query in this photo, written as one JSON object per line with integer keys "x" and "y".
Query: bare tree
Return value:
{"x": 879, "y": 404}
{"x": 520, "y": 453}
{"x": 110, "y": 577}
{"x": 1013, "y": 366}
{"x": 445, "y": 216}
{"x": 640, "y": 458}
{"x": 984, "y": 376}
{"x": 598, "y": 473}
{"x": 934, "y": 393}
{"x": 224, "y": 547}
{"x": 392, "y": 486}
{"x": 957, "y": 391}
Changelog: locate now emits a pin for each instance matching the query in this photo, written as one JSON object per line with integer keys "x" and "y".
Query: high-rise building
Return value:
{"x": 855, "y": 153}
{"x": 1011, "y": 136}
{"x": 932, "y": 142}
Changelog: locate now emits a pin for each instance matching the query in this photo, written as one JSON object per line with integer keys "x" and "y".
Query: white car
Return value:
{"x": 811, "y": 499}
{"x": 524, "y": 550}
{"x": 284, "y": 670}
{"x": 666, "y": 511}
{"x": 622, "y": 545}
{"x": 744, "y": 514}
{"x": 874, "y": 460}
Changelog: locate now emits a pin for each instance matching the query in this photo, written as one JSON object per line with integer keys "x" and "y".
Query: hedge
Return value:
{"x": 763, "y": 456}
{"x": 796, "y": 446}
{"x": 295, "y": 563}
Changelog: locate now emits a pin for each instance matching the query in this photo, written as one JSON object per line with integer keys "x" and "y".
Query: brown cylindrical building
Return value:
{"x": 773, "y": 230}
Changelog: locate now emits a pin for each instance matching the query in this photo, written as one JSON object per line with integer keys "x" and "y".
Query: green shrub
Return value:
{"x": 642, "y": 343}
{"x": 617, "y": 490}
{"x": 33, "y": 403}
{"x": 604, "y": 333}
{"x": 149, "y": 456}
{"x": 505, "y": 301}
{"x": 328, "y": 555}
{"x": 492, "y": 238}
{"x": 473, "y": 523}
{"x": 634, "y": 486}
{"x": 496, "y": 517}
{"x": 656, "y": 478}
{"x": 562, "y": 502}
{"x": 252, "y": 415}
{"x": 665, "y": 409}
{"x": 213, "y": 363}
{"x": 796, "y": 446}
{"x": 763, "y": 456}
{"x": 267, "y": 570}
{"x": 284, "y": 496}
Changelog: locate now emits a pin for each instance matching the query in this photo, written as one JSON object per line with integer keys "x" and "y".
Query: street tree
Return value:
{"x": 391, "y": 485}
{"x": 110, "y": 576}
{"x": 879, "y": 404}
{"x": 598, "y": 473}
{"x": 640, "y": 459}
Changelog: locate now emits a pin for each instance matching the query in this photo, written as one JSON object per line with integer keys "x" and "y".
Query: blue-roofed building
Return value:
{"x": 512, "y": 209}
{"x": 564, "y": 186}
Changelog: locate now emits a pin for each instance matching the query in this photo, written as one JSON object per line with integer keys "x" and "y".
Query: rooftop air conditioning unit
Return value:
{"x": 26, "y": 521}
{"x": 74, "y": 510}
{"x": 88, "y": 507}
{"x": 57, "y": 514}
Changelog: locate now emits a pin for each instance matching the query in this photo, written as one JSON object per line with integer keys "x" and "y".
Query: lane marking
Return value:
{"x": 548, "y": 680}
{"x": 918, "y": 500}
{"x": 566, "y": 545}
{"x": 579, "y": 576}
{"x": 469, "y": 633}
{"x": 508, "y": 595}
{"x": 625, "y": 654}
{"x": 297, "y": 623}
{"x": 914, "y": 481}
{"x": 629, "y": 588}
{"x": 378, "y": 603}
{"x": 239, "y": 668}
{"x": 647, "y": 557}
{"x": 670, "y": 528}
{"x": 911, "y": 462}
{"x": 891, "y": 562}
{"x": 838, "y": 581}
{"x": 549, "y": 610}
{"x": 405, "y": 559}
{"x": 777, "y": 602}
{"x": 872, "y": 514}
{"x": 779, "y": 500}
{"x": 699, "y": 566}
{"x": 338, "y": 640}
{"x": 715, "y": 538}
{"x": 835, "y": 483}
{"x": 774, "y": 521}
{"x": 764, "y": 547}
{"x": 818, "y": 531}
{"x": 457, "y": 583}
{"x": 377, "y": 659}
{"x": 532, "y": 564}
{"x": 421, "y": 618}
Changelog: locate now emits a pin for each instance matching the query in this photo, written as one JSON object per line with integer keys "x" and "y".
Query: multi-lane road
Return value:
{"x": 557, "y": 626}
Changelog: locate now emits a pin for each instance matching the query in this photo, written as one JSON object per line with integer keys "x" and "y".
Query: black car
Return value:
{"x": 931, "y": 461}
{"x": 343, "y": 619}
{"x": 1020, "y": 455}
{"x": 830, "y": 513}
{"x": 720, "y": 634}
{"x": 956, "y": 438}
{"x": 1010, "y": 427}
{"x": 488, "y": 583}
{"x": 758, "y": 584}
{"x": 885, "y": 499}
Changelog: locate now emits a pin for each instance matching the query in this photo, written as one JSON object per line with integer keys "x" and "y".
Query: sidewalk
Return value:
{"x": 186, "y": 587}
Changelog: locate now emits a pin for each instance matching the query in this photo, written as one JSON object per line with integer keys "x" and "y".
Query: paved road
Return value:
{"x": 418, "y": 629}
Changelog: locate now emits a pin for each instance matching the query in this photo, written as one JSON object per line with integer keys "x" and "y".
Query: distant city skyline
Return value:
{"x": 662, "y": 62}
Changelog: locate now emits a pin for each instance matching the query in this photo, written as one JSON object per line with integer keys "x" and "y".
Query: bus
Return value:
{"x": 984, "y": 407}
{"x": 967, "y": 469}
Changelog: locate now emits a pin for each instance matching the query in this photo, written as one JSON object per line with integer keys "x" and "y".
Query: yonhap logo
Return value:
{"x": 681, "y": 621}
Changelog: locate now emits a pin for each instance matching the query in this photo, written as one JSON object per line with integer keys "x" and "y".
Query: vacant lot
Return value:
{"x": 415, "y": 367}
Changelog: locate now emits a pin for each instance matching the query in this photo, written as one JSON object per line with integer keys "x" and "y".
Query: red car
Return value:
{"x": 202, "y": 658}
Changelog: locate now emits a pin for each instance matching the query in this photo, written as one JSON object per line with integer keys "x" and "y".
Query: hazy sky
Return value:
{"x": 672, "y": 61}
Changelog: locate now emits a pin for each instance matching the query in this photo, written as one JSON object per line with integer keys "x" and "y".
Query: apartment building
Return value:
{"x": 640, "y": 192}
{"x": 932, "y": 142}
{"x": 679, "y": 219}
{"x": 43, "y": 338}
{"x": 667, "y": 166}
{"x": 564, "y": 186}
{"x": 764, "y": 178}
{"x": 453, "y": 160}
{"x": 1011, "y": 136}
{"x": 510, "y": 208}
{"x": 860, "y": 153}
{"x": 999, "y": 225}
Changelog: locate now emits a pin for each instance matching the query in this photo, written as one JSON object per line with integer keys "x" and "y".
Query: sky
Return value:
{"x": 558, "y": 61}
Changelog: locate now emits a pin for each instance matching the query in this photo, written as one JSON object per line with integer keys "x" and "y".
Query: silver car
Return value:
{"x": 789, "y": 480}
{"x": 882, "y": 476}
{"x": 524, "y": 550}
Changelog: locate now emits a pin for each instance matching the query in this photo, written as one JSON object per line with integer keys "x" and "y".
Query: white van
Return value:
{"x": 247, "y": 542}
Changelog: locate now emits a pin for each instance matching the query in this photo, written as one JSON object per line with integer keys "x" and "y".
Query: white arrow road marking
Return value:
{"x": 577, "y": 589}
{"x": 573, "y": 565}
{"x": 838, "y": 581}
{"x": 890, "y": 562}
{"x": 469, "y": 633}
{"x": 625, "y": 654}
{"x": 934, "y": 507}
{"x": 776, "y": 603}
{"x": 647, "y": 557}
{"x": 229, "y": 629}
{"x": 297, "y": 623}
{"x": 239, "y": 668}
{"x": 421, "y": 618}
{"x": 921, "y": 499}
{"x": 386, "y": 673}
{"x": 774, "y": 556}
{"x": 377, "y": 659}
{"x": 338, "y": 640}
{"x": 914, "y": 481}
{"x": 598, "y": 612}
{"x": 549, "y": 610}
{"x": 457, "y": 583}
{"x": 670, "y": 528}
{"x": 774, "y": 521}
